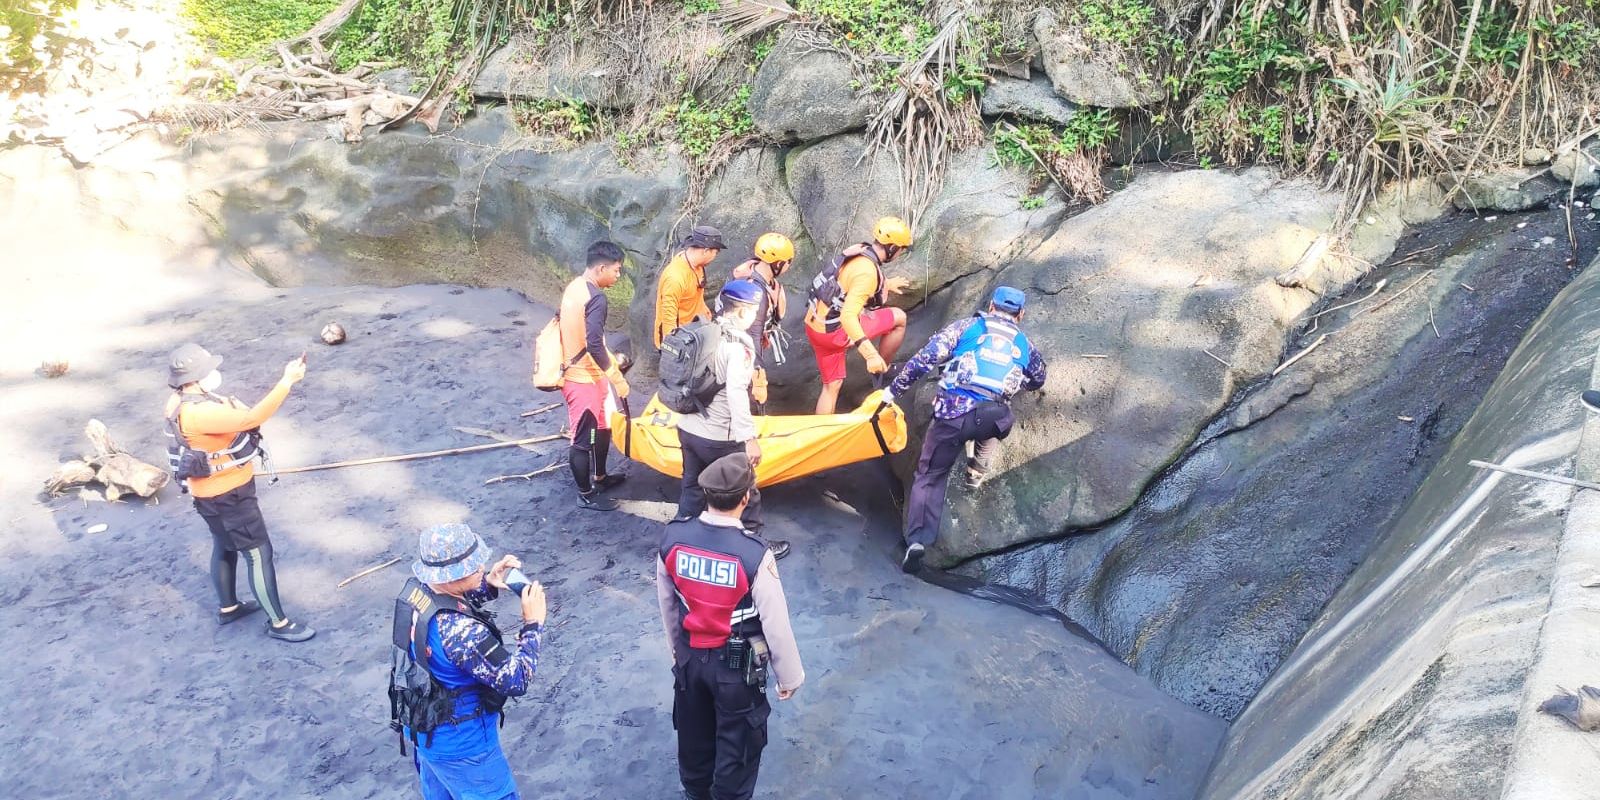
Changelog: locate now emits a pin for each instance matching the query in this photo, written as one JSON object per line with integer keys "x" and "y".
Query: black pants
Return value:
{"x": 722, "y": 727}
{"x": 236, "y": 525}
{"x": 941, "y": 446}
{"x": 698, "y": 453}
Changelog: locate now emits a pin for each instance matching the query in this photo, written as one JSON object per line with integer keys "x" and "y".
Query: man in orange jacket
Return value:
{"x": 213, "y": 442}
{"x": 847, "y": 308}
{"x": 680, "y": 292}
{"x": 591, "y": 370}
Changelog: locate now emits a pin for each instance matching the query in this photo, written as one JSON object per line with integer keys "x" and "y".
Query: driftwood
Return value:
{"x": 454, "y": 451}
{"x": 114, "y": 468}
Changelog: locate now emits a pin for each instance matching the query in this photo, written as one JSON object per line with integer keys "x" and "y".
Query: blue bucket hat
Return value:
{"x": 1008, "y": 299}
{"x": 449, "y": 552}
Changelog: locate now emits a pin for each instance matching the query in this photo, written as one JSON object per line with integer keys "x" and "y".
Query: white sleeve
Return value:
{"x": 741, "y": 368}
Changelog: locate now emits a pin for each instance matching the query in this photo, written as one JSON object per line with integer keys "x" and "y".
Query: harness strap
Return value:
{"x": 877, "y": 429}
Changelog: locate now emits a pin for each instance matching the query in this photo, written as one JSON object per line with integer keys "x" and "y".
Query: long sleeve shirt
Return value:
{"x": 212, "y": 427}
{"x": 583, "y": 326}
{"x": 766, "y": 592}
{"x": 938, "y": 351}
{"x": 727, "y": 417}
{"x": 680, "y": 297}
{"x": 858, "y": 281}
{"x": 462, "y": 653}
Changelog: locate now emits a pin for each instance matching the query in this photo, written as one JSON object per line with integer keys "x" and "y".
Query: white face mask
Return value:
{"x": 212, "y": 382}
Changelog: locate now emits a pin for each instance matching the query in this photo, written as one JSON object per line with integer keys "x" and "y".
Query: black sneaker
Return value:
{"x": 1591, "y": 400}
{"x": 779, "y": 547}
{"x": 911, "y": 562}
{"x": 592, "y": 501}
{"x": 243, "y": 610}
{"x": 608, "y": 481}
{"x": 292, "y": 632}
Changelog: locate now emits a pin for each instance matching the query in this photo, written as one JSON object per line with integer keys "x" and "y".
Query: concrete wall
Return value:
{"x": 1422, "y": 677}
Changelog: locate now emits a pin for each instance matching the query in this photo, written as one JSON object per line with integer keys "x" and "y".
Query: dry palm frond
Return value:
{"x": 744, "y": 18}
{"x": 209, "y": 117}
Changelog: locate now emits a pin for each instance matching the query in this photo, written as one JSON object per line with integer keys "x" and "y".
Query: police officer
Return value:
{"x": 727, "y": 626}
{"x": 213, "y": 443}
{"x": 986, "y": 360}
{"x": 452, "y": 673}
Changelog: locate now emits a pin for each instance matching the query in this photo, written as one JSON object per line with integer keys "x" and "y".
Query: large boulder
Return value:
{"x": 525, "y": 70}
{"x": 1507, "y": 190}
{"x": 803, "y": 92}
{"x": 1578, "y": 166}
{"x": 1033, "y": 99}
{"x": 1091, "y": 74}
{"x": 1126, "y": 300}
{"x": 405, "y": 207}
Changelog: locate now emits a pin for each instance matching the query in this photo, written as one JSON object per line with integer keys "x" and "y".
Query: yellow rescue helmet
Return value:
{"x": 774, "y": 248}
{"x": 892, "y": 230}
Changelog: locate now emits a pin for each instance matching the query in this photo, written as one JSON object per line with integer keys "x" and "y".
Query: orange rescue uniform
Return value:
{"x": 680, "y": 297}
{"x": 858, "y": 282}
{"x": 212, "y": 427}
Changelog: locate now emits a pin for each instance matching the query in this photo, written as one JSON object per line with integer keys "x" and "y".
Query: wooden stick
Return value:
{"x": 1543, "y": 476}
{"x": 526, "y": 475}
{"x": 1370, "y": 295}
{"x": 1095, "y": 355}
{"x": 1390, "y": 299}
{"x": 415, "y": 456}
{"x": 1302, "y": 354}
{"x": 1431, "y": 322}
{"x": 1218, "y": 358}
{"x": 369, "y": 570}
{"x": 540, "y": 410}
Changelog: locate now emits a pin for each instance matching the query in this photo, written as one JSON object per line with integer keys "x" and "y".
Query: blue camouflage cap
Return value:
{"x": 449, "y": 552}
{"x": 1009, "y": 299}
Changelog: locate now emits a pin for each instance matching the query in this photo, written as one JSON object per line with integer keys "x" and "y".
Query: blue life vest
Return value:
{"x": 990, "y": 360}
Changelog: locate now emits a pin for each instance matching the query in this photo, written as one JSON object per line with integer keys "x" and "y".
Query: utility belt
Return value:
{"x": 749, "y": 655}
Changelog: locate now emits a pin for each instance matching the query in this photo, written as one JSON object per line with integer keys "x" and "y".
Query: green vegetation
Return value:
{"x": 699, "y": 129}
{"x": 245, "y": 28}
{"x": 30, "y": 37}
{"x": 886, "y": 32}
{"x": 694, "y": 7}
{"x": 571, "y": 122}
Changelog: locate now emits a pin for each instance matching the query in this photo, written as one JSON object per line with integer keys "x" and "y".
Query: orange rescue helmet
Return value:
{"x": 892, "y": 230}
{"x": 774, "y": 248}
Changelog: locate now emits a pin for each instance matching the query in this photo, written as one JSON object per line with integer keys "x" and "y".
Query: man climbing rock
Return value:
{"x": 847, "y": 308}
{"x": 723, "y": 425}
{"x": 986, "y": 360}
{"x": 452, "y": 671}
{"x": 680, "y": 291}
{"x": 213, "y": 443}
{"x": 590, "y": 372}
{"x": 727, "y": 626}
{"x": 773, "y": 254}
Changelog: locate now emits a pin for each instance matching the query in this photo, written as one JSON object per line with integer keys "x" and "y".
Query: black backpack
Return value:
{"x": 688, "y": 367}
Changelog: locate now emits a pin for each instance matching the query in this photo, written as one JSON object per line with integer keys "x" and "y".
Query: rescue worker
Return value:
{"x": 591, "y": 370}
{"x": 724, "y": 425}
{"x": 986, "y": 359}
{"x": 847, "y": 308}
{"x": 774, "y": 252}
{"x": 680, "y": 291}
{"x": 452, "y": 671}
{"x": 727, "y": 626}
{"x": 213, "y": 443}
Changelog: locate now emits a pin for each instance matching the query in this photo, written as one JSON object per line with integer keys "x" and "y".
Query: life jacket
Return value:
{"x": 989, "y": 361}
{"x": 767, "y": 331}
{"x": 418, "y": 702}
{"x": 825, "y": 288}
{"x": 712, "y": 568}
{"x": 189, "y": 462}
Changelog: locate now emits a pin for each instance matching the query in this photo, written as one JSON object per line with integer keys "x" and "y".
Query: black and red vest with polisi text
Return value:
{"x": 712, "y": 568}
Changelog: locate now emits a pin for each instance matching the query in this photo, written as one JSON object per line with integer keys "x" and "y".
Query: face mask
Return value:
{"x": 212, "y": 382}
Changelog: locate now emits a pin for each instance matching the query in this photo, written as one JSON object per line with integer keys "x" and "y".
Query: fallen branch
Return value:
{"x": 369, "y": 570}
{"x": 1373, "y": 293}
{"x": 540, "y": 410}
{"x": 1218, "y": 358}
{"x": 1390, "y": 298}
{"x": 495, "y": 435}
{"x": 1543, "y": 476}
{"x": 527, "y": 476}
{"x": 1302, "y": 354}
{"x": 478, "y": 448}
{"x": 1431, "y": 322}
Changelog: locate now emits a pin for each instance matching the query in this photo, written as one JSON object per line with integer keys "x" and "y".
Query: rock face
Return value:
{"x": 1032, "y": 99}
{"x": 803, "y": 93}
{"x": 1208, "y": 582}
{"x": 1084, "y": 74}
{"x": 1578, "y": 167}
{"x": 1421, "y": 676}
{"x": 1508, "y": 190}
{"x": 522, "y": 70}
{"x": 1151, "y": 299}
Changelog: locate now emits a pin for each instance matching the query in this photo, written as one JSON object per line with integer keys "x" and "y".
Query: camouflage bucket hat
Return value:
{"x": 449, "y": 552}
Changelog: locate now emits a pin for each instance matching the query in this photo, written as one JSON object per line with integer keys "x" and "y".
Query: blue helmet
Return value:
{"x": 740, "y": 291}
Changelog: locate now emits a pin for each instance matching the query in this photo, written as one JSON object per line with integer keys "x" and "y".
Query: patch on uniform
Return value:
{"x": 707, "y": 569}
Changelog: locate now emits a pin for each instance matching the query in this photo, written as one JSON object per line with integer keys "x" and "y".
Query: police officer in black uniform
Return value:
{"x": 727, "y": 625}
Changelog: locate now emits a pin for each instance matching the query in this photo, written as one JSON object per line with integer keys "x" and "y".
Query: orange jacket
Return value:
{"x": 583, "y": 311}
{"x": 858, "y": 280}
{"x": 680, "y": 297}
{"x": 212, "y": 427}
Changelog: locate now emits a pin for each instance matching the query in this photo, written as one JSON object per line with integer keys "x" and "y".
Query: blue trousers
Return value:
{"x": 482, "y": 776}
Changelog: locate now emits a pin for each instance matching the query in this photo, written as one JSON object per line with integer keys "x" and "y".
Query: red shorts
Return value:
{"x": 582, "y": 398}
{"x": 830, "y": 348}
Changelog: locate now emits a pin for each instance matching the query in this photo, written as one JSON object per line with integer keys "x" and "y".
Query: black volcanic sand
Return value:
{"x": 121, "y": 684}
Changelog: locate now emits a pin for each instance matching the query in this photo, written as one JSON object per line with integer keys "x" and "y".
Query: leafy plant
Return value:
{"x": 245, "y": 28}
{"x": 699, "y": 128}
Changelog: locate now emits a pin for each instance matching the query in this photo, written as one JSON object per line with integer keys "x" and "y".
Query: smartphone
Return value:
{"x": 303, "y": 357}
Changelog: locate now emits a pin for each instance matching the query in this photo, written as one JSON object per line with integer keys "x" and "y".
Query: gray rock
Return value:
{"x": 1114, "y": 282}
{"x": 398, "y": 80}
{"x": 522, "y": 70}
{"x": 1577, "y": 167}
{"x": 803, "y": 93}
{"x": 1507, "y": 190}
{"x": 1535, "y": 156}
{"x": 1032, "y": 99}
{"x": 1085, "y": 74}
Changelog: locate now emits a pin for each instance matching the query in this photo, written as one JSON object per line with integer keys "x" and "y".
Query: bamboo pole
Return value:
{"x": 415, "y": 456}
{"x": 1543, "y": 476}
{"x": 369, "y": 570}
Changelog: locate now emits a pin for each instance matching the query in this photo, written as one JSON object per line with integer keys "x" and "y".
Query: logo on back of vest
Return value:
{"x": 705, "y": 569}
